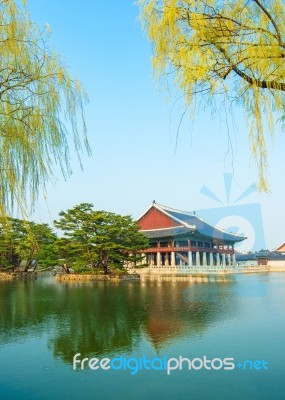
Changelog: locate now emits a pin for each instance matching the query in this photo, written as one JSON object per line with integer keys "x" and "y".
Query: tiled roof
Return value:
{"x": 245, "y": 257}
{"x": 270, "y": 255}
{"x": 205, "y": 228}
{"x": 192, "y": 223}
{"x": 280, "y": 248}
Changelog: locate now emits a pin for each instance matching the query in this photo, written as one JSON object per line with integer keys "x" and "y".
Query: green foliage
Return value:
{"x": 26, "y": 242}
{"x": 42, "y": 239}
{"x": 40, "y": 107}
{"x": 92, "y": 241}
{"x": 233, "y": 50}
{"x": 99, "y": 239}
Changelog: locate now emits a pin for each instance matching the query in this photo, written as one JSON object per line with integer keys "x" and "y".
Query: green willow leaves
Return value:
{"x": 41, "y": 109}
{"x": 233, "y": 48}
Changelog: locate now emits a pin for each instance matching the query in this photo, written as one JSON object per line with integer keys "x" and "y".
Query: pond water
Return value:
{"x": 44, "y": 323}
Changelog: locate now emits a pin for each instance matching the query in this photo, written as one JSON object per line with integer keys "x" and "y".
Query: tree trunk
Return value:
{"x": 105, "y": 262}
{"x": 105, "y": 266}
{"x": 65, "y": 267}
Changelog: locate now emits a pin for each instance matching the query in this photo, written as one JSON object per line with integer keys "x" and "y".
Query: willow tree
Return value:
{"x": 234, "y": 47}
{"x": 41, "y": 109}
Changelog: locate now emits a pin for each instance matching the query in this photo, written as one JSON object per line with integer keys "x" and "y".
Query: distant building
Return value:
{"x": 272, "y": 259}
{"x": 246, "y": 260}
{"x": 182, "y": 239}
{"x": 281, "y": 248}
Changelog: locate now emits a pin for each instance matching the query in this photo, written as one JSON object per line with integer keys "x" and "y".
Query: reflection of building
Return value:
{"x": 182, "y": 239}
{"x": 185, "y": 308}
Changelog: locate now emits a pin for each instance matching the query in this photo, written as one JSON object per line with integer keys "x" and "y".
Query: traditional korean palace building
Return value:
{"x": 181, "y": 239}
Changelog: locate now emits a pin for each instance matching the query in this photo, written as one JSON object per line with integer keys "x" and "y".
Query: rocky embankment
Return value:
{"x": 96, "y": 277}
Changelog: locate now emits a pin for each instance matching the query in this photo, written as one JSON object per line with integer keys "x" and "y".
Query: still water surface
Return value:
{"x": 44, "y": 323}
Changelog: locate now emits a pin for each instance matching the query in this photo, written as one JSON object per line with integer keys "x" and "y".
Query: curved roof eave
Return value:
{"x": 206, "y": 230}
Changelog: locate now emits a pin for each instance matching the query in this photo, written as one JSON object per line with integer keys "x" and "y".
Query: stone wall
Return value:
{"x": 95, "y": 277}
{"x": 17, "y": 275}
{"x": 6, "y": 276}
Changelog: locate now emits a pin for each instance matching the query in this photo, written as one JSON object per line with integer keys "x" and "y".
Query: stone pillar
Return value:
{"x": 190, "y": 261}
{"x": 224, "y": 260}
{"x": 211, "y": 260}
{"x": 166, "y": 260}
{"x": 173, "y": 259}
{"x": 197, "y": 259}
{"x": 234, "y": 259}
{"x": 229, "y": 260}
{"x": 204, "y": 260}
{"x": 218, "y": 263}
{"x": 148, "y": 259}
{"x": 158, "y": 259}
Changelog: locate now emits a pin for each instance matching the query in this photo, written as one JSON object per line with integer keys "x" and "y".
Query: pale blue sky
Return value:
{"x": 133, "y": 133}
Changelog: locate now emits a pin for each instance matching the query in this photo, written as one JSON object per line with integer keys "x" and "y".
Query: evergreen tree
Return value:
{"x": 99, "y": 238}
{"x": 26, "y": 244}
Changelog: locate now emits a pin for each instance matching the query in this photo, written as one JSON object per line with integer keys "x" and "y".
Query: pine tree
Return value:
{"x": 99, "y": 239}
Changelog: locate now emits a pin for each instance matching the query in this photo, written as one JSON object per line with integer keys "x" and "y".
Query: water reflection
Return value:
{"x": 109, "y": 318}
